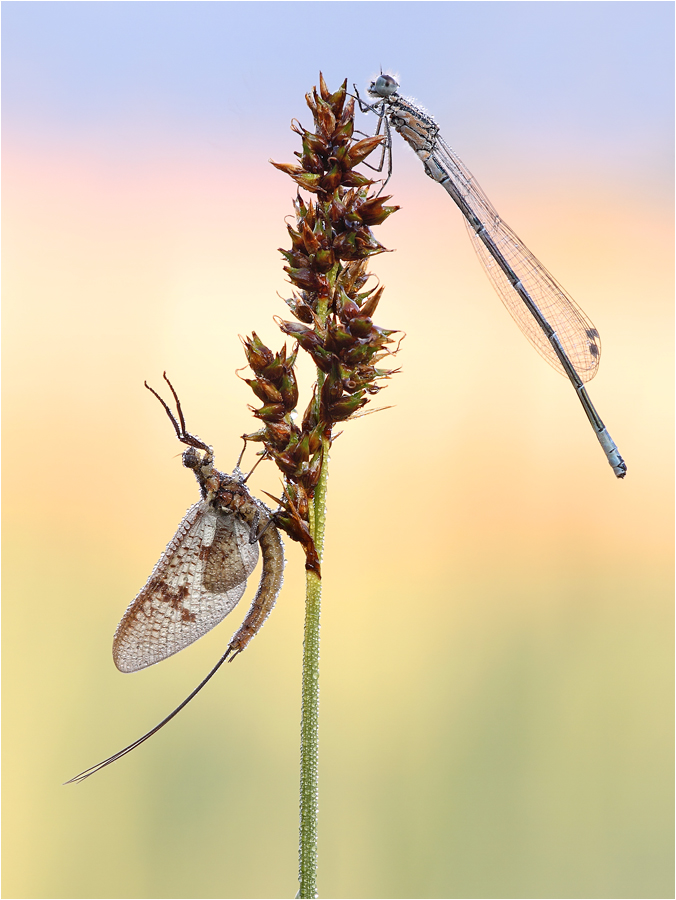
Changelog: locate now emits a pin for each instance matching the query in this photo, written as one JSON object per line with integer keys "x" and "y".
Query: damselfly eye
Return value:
{"x": 384, "y": 86}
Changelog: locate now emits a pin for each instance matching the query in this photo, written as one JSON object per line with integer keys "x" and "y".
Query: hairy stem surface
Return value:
{"x": 309, "y": 742}
{"x": 309, "y": 724}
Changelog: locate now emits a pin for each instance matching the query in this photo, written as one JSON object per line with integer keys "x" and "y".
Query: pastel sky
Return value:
{"x": 497, "y": 654}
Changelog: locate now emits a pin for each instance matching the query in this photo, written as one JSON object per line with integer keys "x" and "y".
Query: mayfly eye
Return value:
{"x": 191, "y": 458}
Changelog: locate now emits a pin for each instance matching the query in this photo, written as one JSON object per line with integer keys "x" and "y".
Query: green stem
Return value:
{"x": 309, "y": 723}
{"x": 309, "y": 729}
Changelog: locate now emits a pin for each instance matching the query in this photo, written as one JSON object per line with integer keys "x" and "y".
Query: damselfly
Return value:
{"x": 550, "y": 319}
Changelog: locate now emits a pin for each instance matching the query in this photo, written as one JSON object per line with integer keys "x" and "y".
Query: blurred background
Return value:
{"x": 496, "y": 679}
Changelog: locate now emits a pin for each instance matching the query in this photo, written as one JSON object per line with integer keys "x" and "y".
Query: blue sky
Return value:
{"x": 552, "y": 71}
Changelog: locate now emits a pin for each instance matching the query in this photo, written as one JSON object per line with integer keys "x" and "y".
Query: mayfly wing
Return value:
{"x": 198, "y": 580}
{"x": 579, "y": 337}
{"x": 208, "y": 576}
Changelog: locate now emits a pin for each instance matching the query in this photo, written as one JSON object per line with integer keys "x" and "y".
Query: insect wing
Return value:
{"x": 198, "y": 580}
{"x": 577, "y": 333}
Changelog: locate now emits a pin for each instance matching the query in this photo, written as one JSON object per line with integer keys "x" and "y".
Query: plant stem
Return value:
{"x": 309, "y": 721}
{"x": 309, "y": 729}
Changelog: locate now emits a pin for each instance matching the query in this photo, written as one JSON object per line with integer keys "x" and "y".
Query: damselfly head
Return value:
{"x": 384, "y": 86}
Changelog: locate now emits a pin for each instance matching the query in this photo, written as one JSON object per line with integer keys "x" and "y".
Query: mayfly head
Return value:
{"x": 202, "y": 464}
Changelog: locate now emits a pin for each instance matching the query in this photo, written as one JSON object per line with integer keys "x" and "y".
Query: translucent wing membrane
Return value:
{"x": 199, "y": 579}
{"x": 577, "y": 334}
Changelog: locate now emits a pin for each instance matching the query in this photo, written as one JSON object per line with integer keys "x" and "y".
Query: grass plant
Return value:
{"x": 333, "y": 308}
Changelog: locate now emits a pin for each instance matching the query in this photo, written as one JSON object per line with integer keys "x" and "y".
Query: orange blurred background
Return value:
{"x": 497, "y": 628}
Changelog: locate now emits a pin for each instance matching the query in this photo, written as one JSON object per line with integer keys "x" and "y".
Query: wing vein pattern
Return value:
{"x": 577, "y": 333}
{"x": 195, "y": 584}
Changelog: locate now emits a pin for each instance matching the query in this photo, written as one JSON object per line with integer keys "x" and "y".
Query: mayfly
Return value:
{"x": 545, "y": 313}
{"x": 202, "y": 574}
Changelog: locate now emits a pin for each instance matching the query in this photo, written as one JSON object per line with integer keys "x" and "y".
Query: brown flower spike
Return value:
{"x": 330, "y": 246}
